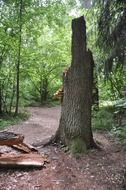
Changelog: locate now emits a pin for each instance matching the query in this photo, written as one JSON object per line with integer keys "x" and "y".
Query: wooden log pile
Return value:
{"x": 29, "y": 157}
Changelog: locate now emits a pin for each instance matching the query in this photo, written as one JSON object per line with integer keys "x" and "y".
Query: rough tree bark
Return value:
{"x": 19, "y": 58}
{"x": 75, "y": 122}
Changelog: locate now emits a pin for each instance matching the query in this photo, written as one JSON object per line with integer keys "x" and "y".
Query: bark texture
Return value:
{"x": 75, "y": 122}
{"x": 19, "y": 58}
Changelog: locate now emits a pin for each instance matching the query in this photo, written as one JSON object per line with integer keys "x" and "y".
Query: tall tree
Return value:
{"x": 75, "y": 122}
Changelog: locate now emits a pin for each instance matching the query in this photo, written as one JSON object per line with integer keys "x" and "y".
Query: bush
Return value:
{"x": 103, "y": 119}
{"x": 120, "y": 132}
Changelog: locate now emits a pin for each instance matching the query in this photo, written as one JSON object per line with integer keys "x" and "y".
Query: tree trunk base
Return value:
{"x": 76, "y": 145}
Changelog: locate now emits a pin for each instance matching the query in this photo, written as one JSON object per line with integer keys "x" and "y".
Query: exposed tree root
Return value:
{"x": 55, "y": 141}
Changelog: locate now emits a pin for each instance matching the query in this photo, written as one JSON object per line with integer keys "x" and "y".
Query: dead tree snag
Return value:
{"x": 75, "y": 122}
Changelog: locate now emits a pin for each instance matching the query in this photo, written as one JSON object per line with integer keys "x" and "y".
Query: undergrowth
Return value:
{"x": 8, "y": 119}
{"x": 104, "y": 120}
{"x": 120, "y": 132}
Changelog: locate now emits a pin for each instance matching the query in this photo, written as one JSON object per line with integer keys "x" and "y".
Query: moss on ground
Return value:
{"x": 78, "y": 146}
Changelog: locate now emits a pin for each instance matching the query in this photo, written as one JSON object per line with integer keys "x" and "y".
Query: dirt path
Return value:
{"x": 41, "y": 125}
{"x": 98, "y": 170}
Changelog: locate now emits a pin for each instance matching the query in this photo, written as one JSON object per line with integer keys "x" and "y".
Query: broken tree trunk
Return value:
{"x": 75, "y": 122}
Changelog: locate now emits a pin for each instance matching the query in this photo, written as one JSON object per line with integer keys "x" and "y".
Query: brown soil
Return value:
{"x": 98, "y": 170}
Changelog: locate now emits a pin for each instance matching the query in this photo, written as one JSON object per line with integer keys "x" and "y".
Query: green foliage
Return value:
{"x": 103, "y": 119}
{"x": 106, "y": 120}
{"x": 111, "y": 32}
{"x": 43, "y": 55}
{"x": 120, "y": 126}
{"x": 77, "y": 146}
{"x": 120, "y": 132}
{"x": 120, "y": 103}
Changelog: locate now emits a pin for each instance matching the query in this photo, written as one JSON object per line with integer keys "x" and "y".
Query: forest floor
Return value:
{"x": 97, "y": 170}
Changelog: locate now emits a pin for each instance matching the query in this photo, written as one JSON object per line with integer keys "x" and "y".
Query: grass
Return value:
{"x": 7, "y": 120}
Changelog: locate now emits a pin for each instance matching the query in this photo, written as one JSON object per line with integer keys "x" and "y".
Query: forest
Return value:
{"x": 63, "y": 87}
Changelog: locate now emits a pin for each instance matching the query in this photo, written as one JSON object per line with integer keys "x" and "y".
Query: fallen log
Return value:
{"x": 32, "y": 159}
{"x": 15, "y": 141}
{"x": 9, "y": 138}
{"x": 24, "y": 148}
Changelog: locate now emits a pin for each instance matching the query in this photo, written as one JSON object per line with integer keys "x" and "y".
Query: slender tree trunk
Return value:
{"x": 19, "y": 57}
{"x": 0, "y": 98}
{"x": 12, "y": 96}
{"x": 44, "y": 90}
{"x": 1, "y": 95}
{"x": 75, "y": 122}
